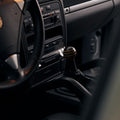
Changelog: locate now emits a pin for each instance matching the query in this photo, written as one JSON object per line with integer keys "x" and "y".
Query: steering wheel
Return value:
{"x": 13, "y": 16}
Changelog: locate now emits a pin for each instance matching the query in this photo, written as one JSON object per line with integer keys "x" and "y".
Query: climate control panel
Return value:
{"x": 51, "y": 14}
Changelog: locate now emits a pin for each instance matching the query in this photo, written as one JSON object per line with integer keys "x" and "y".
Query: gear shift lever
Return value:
{"x": 71, "y": 67}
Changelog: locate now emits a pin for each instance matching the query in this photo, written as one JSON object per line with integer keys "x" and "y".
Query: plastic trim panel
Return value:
{"x": 84, "y": 5}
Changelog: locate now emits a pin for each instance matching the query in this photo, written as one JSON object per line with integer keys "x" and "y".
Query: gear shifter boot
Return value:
{"x": 71, "y": 67}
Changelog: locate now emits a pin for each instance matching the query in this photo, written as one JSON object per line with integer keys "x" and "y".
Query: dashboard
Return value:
{"x": 65, "y": 21}
{"x": 34, "y": 52}
{"x": 87, "y": 16}
{"x": 61, "y": 22}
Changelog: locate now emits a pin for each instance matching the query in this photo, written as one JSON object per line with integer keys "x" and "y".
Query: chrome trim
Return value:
{"x": 13, "y": 61}
{"x": 84, "y": 5}
{"x": 59, "y": 51}
{"x": 66, "y": 10}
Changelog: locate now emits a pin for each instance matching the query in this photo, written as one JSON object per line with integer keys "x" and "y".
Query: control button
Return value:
{"x": 31, "y": 47}
{"x": 57, "y": 11}
{"x": 93, "y": 46}
{"x": 67, "y": 10}
{"x": 48, "y": 7}
{"x": 28, "y": 24}
{"x": 56, "y": 18}
{"x": 47, "y": 45}
{"x": 54, "y": 43}
{"x": 31, "y": 52}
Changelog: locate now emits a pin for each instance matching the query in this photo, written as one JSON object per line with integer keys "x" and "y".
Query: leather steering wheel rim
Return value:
{"x": 23, "y": 73}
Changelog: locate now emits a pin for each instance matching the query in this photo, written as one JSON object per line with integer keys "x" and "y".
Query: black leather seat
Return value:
{"x": 62, "y": 116}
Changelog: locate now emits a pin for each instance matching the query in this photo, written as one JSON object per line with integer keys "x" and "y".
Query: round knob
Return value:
{"x": 70, "y": 52}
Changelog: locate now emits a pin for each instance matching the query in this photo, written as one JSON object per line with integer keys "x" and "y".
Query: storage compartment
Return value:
{"x": 47, "y": 72}
{"x": 53, "y": 32}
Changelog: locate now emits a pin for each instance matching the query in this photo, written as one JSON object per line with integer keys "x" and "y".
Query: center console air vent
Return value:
{"x": 68, "y": 3}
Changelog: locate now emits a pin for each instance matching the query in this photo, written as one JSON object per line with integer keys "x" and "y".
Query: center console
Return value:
{"x": 52, "y": 63}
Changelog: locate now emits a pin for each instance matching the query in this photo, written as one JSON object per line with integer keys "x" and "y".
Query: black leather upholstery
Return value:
{"x": 62, "y": 116}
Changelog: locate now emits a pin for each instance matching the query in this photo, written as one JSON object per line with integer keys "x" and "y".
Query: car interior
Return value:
{"x": 57, "y": 57}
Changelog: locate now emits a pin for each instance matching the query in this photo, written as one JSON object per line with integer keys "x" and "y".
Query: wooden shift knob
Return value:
{"x": 70, "y": 52}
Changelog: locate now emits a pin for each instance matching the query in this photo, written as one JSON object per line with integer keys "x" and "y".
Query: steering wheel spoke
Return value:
{"x": 14, "y": 62}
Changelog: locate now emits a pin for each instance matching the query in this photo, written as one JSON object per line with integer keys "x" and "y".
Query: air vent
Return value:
{"x": 68, "y": 3}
